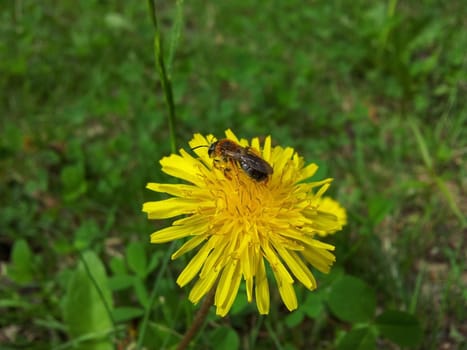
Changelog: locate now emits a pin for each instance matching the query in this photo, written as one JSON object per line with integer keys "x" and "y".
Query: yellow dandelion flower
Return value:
{"x": 241, "y": 225}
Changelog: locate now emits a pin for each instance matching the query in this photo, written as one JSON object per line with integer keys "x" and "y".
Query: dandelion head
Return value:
{"x": 242, "y": 223}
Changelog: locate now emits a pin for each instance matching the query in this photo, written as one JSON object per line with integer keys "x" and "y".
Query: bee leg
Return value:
{"x": 227, "y": 173}
{"x": 220, "y": 164}
{"x": 217, "y": 163}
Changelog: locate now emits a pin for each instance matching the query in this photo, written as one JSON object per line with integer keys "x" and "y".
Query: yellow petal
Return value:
{"x": 215, "y": 261}
{"x": 319, "y": 258}
{"x": 199, "y": 140}
{"x": 184, "y": 167}
{"x": 247, "y": 267}
{"x": 308, "y": 171}
{"x": 317, "y": 244}
{"x": 281, "y": 157}
{"x": 327, "y": 222}
{"x": 249, "y": 288}
{"x": 230, "y": 135}
{"x": 276, "y": 264}
{"x": 200, "y": 145}
{"x": 287, "y": 292}
{"x": 297, "y": 162}
{"x": 228, "y": 288}
{"x": 267, "y": 149}
{"x": 188, "y": 246}
{"x": 262, "y": 289}
{"x": 329, "y": 206}
{"x": 319, "y": 184}
{"x": 171, "y": 207}
{"x": 179, "y": 190}
{"x": 255, "y": 144}
{"x": 194, "y": 220}
{"x": 193, "y": 266}
{"x": 177, "y": 231}
{"x": 298, "y": 268}
{"x": 202, "y": 287}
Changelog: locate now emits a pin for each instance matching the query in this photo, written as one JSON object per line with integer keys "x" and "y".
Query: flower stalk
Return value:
{"x": 198, "y": 321}
{"x": 166, "y": 81}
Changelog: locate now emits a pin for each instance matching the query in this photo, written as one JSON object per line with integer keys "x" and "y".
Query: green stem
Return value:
{"x": 272, "y": 334}
{"x": 386, "y": 30}
{"x": 152, "y": 297}
{"x": 199, "y": 319}
{"x": 168, "y": 94}
{"x": 392, "y": 8}
{"x": 165, "y": 79}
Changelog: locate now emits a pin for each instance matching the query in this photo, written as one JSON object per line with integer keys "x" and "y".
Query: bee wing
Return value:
{"x": 256, "y": 162}
{"x": 231, "y": 154}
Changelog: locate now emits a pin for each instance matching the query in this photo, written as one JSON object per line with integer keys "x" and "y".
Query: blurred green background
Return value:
{"x": 372, "y": 91}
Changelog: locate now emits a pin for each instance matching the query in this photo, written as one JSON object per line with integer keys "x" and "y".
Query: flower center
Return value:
{"x": 242, "y": 197}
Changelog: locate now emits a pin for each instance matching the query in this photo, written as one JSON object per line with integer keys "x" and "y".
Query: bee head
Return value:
{"x": 212, "y": 148}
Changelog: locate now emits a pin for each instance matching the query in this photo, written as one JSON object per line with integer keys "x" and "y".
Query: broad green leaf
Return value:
{"x": 123, "y": 314}
{"x": 86, "y": 234}
{"x": 400, "y": 327}
{"x": 294, "y": 318}
{"x": 358, "y": 339}
{"x": 136, "y": 258}
{"x": 379, "y": 208}
{"x": 84, "y": 310}
{"x": 16, "y": 302}
{"x": 11, "y": 137}
{"x": 117, "y": 265}
{"x": 161, "y": 333}
{"x": 154, "y": 261}
{"x": 225, "y": 338}
{"x": 314, "y": 304}
{"x": 73, "y": 181}
{"x": 352, "y": 300}
{"x": 21, "y": 268}
{"x": 120, "y": 282}
{"x": 141, "y": 292}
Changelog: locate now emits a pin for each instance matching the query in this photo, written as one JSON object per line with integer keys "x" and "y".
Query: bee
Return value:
{"x": 228, "y": 151}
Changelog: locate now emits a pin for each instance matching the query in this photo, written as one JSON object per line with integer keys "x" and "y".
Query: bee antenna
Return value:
{"x": 207, "y": 146}
{"x": 199, "y": 147}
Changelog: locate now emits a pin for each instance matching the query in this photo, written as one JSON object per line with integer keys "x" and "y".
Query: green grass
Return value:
{"x": 373, "y": 92}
